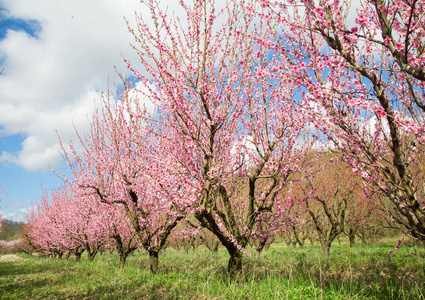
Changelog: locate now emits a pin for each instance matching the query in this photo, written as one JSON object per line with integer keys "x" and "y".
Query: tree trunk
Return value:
{"x": 352, "y": 237}
{"x": 153, "y": 257}
{"x": 78, "y": 256}
{"x": 326, "y": 249}
{"x": 260, "y": 249}
{"x": 121, "y": 251}
{"x": 91, "y": 255}
{"x": 124, "y": 254}
{"x": 78, "y": 253}
{"x": 326, "y": 246}
{"x": 235, "y": 263}
{"x": 123, "y": 259}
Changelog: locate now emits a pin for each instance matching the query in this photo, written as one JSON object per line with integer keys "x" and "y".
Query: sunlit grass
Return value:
{"x": 364, "y": 272}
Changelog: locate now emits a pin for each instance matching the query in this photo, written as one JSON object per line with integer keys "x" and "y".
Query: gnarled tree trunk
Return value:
{"x": 235, "y": 263}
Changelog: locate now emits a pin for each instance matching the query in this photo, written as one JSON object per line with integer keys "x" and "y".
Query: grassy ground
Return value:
{"x": 364, "y": 272}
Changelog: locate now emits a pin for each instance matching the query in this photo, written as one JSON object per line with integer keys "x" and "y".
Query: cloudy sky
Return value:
{"x": 57, "y": 57}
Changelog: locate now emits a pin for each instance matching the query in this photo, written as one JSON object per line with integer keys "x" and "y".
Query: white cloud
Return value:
{"x": 51, "y": 80}
{"x": 40, "y": 149}
{"x": 18, "y": 216}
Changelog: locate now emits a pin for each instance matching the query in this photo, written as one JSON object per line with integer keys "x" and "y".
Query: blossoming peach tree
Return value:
{"x": 361, "y": 66}
{"x": 235, "y": 122}
{"x": 222, "y": 142}
{"x": 125, "y": 163}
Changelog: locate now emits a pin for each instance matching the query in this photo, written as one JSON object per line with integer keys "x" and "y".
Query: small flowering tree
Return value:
{"x": 337, "y": 192}
{"x": 365, "y": 78}
{"x": 235, "y": 140}
{"x": 64, "y": 222}
{"x": 299, "y": 230}
{"x": 187, "y": 237}
{"x": 83, "y": 221}
{"x": 71, "y": 221}
{"x": 45, "y": 231}
{"x": 363, "y": 212}
{"x": 270, "y": 224}
{"x": 126, "y": 163}
{"x": 123, "y": 237}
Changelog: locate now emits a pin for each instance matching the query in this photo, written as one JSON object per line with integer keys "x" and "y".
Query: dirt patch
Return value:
{"x": 10, "y": 258}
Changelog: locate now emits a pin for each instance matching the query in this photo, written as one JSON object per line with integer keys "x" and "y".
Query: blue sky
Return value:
{"x": 32, "y": 27}
{"x": 57, "y": 57}
{"x": 22, "y": 187}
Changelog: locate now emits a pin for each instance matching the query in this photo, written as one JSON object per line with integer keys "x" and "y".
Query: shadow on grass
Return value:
{"x": 20, "y": 268}
{"x": 22, "y": 288}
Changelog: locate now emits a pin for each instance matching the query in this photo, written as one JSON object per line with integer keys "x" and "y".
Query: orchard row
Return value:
{"x": 245, "y": 117}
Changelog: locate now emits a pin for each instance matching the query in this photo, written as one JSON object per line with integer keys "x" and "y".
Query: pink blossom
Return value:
{"x": 380, "y": 112}
{"x": 362, "y": 20}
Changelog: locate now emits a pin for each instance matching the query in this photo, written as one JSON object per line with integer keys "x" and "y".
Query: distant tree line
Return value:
{"x": 11, "y": 230}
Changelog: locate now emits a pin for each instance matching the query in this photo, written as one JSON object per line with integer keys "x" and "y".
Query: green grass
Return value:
{"x": 364, "y": 272}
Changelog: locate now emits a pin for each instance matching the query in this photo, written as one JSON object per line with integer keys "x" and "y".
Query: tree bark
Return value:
{"x": 123, "y": 259}
{"x": 91, "y": 255}
{"x": 78, "y": 253}
{"x": 123, "y": 251}
{"x": 352, "y": 237}
{"x": 153, "y": 257}
{"x": 78, "y": 256}
{"x": 235, "y": 263}
{"x": 124, "y": 254}
{"x": 326, "y": 247}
